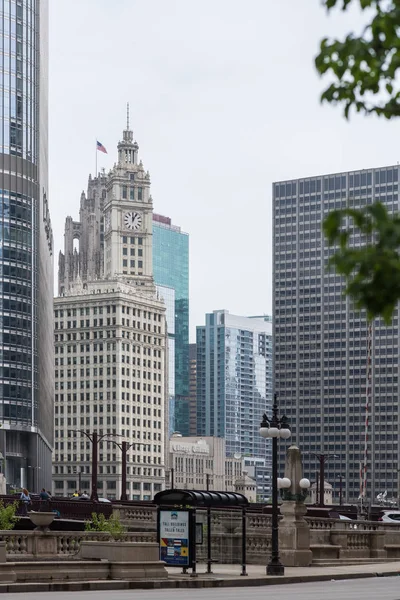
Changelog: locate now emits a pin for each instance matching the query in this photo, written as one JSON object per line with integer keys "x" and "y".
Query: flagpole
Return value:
{"x": 95, "y": 173}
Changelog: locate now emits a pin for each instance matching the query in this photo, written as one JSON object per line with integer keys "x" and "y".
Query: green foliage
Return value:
{"x": 8, "y": 518}
{"x": 365, "y": 66}
{"x": 372, "y": 271}
{"x": 111, "y": 525}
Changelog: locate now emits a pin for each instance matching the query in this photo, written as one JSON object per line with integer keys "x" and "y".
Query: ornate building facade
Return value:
{"x": 111, "y": 337}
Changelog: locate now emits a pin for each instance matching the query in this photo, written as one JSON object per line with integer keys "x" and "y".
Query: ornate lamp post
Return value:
{"x": 275, "y": 428}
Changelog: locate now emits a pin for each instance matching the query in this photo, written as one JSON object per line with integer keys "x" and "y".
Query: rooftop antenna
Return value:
{"x": 127, "y": 115}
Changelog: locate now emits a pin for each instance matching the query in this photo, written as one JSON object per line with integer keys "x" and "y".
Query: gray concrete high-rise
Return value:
{"x": 26, "y": 263}
{"x": 321, "y": 341}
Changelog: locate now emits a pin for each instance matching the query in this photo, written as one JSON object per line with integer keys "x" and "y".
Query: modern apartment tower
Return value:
{"x": 321, "y": 341}
{"x": 26, "y": 361}
{"x": 111, "y": 338}
{"x": 171, "y": 269}
{"x": 234, "y": 381}
{"x": 193, "y": 389}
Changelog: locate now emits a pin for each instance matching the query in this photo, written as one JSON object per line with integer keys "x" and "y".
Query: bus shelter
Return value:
{"x": 178, "y": 531}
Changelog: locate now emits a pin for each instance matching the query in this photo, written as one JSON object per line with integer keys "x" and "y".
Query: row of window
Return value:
{"x": 98, "y": 335}
{"x": 109, "y": 309}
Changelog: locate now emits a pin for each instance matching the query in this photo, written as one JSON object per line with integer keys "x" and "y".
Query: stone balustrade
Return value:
{"x": 329, "y": 538}
{"x": 22, "y": 545}
{"x": 137, "y": 518}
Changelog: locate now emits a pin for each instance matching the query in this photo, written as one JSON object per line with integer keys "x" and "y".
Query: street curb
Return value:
{"x": 190, "y": 583}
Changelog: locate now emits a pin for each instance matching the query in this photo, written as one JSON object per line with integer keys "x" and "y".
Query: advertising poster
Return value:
{"x": 174, "y": 537}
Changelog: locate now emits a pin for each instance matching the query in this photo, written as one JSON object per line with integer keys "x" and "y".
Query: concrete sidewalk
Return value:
{"x": 224, "y": 576}
{"x": 316, "y": 573}
{"x": 230, "y": 575}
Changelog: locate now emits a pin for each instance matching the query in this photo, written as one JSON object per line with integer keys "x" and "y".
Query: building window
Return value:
{"x": 140, "y": 193}
{"x": 131, "y": 193}
{"x": 124, "y": 192}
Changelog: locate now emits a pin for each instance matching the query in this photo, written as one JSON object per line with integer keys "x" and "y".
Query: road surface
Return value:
{"x": 383, "y": 588}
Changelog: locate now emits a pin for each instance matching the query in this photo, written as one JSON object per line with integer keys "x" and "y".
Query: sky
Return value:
{"x": 224, "y": 100}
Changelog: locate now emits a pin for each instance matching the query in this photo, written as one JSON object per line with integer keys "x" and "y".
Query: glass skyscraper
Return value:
{"x": 321, "y": 341}
{"x": 171, "y": 269}
{"x": 234, "y": 381}
{"x": 26, "y": 263}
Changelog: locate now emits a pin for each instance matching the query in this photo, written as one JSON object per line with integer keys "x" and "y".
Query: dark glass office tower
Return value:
{"x": 26, "y": 261}
{"x": 321, "y": 342}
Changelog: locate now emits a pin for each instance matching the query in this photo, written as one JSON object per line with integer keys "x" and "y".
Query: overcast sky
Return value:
{"x": 224, "y": 100}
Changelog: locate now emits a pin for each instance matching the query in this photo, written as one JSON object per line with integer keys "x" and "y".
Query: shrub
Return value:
{"x": 8, "y": 518}
{"x": 112, "y": 525}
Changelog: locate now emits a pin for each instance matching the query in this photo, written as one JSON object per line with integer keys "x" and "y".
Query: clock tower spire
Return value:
{"x": 128, "y": 216}
{"x": 127, "y": 148}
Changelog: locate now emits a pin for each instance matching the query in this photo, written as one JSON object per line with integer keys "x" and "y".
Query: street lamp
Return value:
{"x": 322, "y": 459}
{"x": 274, "y": 428}
{"x": 340, "y": 490}
{"x": 124, "y": 447}
{"x": 95, "y": 439}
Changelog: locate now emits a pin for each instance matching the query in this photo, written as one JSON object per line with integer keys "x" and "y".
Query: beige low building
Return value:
{"x": 199, "y": 463}
{"x": 314, "y": 494}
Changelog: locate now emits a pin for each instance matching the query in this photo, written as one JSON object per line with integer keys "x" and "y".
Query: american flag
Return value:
{"x": 101, "y": 147}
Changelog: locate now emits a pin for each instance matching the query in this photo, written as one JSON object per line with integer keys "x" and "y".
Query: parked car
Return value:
{"x": 87, "y": 497}
{"x": 390, "y": 516}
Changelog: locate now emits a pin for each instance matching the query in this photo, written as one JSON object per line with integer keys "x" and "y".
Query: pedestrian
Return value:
{"x": 26, "y": 500}
{"x": 44, "y": 500}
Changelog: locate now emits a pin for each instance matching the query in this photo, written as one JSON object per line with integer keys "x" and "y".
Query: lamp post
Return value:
{"x": 322, "y": 459}
{"x": 124, "y": 447}
{"x": 340, "y": 490}
{"x": 94, "y": 439}
{"x": 274, "y": 428}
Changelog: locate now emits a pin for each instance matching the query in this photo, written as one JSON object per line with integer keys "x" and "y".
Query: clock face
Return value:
{"x": 132, "y": 220}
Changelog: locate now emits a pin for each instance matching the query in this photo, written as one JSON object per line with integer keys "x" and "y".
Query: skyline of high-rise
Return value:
{"x": 26, "y": 264}
{"x": 322, "y": 342}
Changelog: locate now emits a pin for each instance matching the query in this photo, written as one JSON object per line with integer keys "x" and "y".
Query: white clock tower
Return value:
{"x": 128, "y": 217}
